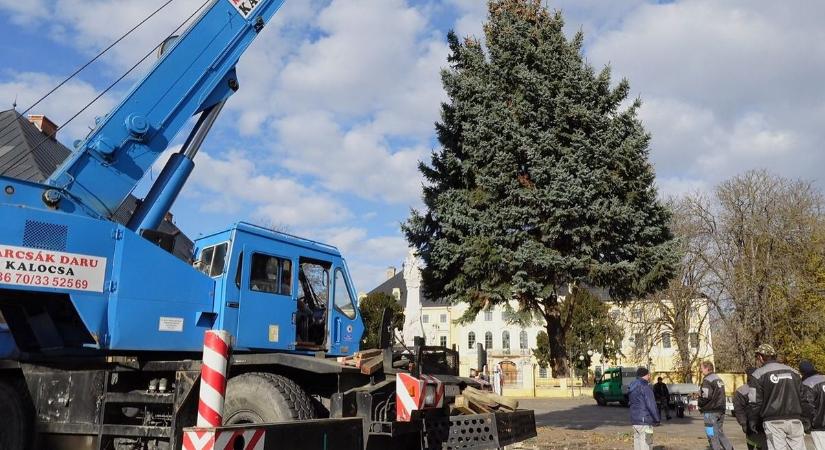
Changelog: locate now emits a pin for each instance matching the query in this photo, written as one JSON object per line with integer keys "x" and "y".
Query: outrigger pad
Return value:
{"x": 479, "y": 431}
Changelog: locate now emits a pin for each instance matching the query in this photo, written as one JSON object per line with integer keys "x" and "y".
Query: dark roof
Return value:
{"x": 390, "y": 284}
{"x": 397, "y": 281}
{"x": 18, "y": 139}
{"x": 28, "y": 154}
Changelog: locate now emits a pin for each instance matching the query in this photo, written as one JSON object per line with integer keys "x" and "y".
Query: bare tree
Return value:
{"x": 754, "y": 234}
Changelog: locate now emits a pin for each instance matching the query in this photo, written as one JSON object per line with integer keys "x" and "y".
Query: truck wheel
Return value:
{"x": 600, "y": 400}
{"x": 263, "y": 398}
{"x": 624, "y": 401}
{"x": 17, "y": 424}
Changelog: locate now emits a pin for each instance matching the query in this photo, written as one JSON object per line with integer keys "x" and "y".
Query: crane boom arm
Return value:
{"x": 195, "y": 74}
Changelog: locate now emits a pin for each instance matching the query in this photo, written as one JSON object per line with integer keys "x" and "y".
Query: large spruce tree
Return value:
{"x": 541, "y": 183}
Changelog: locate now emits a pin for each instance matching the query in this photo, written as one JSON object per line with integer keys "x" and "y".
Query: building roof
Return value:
{"x": 397, "y": 282}
{"x": 18, "y": 139}
{"x": 390, "y": 284}
{"x": 28, "y": 154}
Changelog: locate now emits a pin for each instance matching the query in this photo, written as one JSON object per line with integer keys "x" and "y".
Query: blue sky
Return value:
{"x": 338, "y": 99}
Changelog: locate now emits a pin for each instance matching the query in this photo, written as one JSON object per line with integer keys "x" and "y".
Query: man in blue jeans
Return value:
{"x": 643, "y": 411}
{"x": 712, "y": 404}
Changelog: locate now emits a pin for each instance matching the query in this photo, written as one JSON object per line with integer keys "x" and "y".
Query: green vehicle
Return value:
{"x": 612, "y": 385}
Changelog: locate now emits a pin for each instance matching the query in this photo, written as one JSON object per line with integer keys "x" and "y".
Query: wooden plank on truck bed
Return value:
{"x": 507, "y": 403}
{"x": 372, "y": 365}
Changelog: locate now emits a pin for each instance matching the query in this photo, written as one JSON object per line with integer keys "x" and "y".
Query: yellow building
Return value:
{"x": 647, "y": 340}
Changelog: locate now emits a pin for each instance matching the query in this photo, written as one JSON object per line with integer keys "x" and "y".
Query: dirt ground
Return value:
{"x": 567, "y": 424}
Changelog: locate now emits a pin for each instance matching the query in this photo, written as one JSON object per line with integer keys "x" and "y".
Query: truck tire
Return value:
{"x": 624, "y": 401}
{"x": 600, "y": 400}
{"x": 17, "y": 418}
{"x": 263, "y": 398}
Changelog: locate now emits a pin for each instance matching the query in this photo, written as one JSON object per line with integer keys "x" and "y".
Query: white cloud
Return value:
{"x": 233, "y": 181}
{"x": 367, "y": 257}
{"x": 727, "y": 86}
{"x": 359, "y": 160}
{"x": 59, "y": 107}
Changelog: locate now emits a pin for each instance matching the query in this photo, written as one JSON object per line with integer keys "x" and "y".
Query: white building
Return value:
{"x": 511, "y": 345}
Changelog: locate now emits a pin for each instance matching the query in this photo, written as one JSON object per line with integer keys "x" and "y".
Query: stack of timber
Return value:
{"x": 474, "y": 401}
{"x": 369, "y": 361}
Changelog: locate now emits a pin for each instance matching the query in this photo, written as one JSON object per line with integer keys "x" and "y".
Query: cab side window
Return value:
{"x": 212, "y": 260}
{"x": 343, "y": 301}
{"x": 270, "y": 274}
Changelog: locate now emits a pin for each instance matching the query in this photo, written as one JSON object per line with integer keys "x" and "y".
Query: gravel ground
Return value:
{"x": 581, "y": 424}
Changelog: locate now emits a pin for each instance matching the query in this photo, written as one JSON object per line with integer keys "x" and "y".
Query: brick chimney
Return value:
{"x": 390, "y": 272}
{"x": 43, "y": 124}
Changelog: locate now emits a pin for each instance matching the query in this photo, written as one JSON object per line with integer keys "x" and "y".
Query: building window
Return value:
{"x": 542, "y": 372}
{"x": 471, "y": 340}
{"x": 694, "y": 340}
{"x": 637, "y": 314}
{"x": 425, "y": 318}
{"x": 639, "y": 340}
{"x": 396, "y": 292}
{"x": 665, "y": 340}
{"x": 505, "y": 340}
{"x": 488, "y": 315}
{"x": 443, "y": 341}
{"x": 488, "y": 340}
{"x": 522, "y": 340}
{"x": 442, "y": 318}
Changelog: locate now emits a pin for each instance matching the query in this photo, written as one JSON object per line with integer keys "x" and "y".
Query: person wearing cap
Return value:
{"x": 740, "y": 411}
{"x": 774, "y": 400}
{"x": 662, "y": 397}
{"x": 712, "y": 405}
{"x": 813, "y": 402}
{"x": 643, "y": 411}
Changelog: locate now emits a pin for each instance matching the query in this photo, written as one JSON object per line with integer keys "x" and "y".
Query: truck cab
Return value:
{"x": 274, "y": 291}
{"x": 612, "y": 385}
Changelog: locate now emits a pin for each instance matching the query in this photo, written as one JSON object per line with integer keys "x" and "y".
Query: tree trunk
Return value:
{"x": 558, "y": 352}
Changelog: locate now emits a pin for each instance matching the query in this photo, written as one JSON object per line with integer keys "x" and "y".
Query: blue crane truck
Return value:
{"x": 104, "y": 325}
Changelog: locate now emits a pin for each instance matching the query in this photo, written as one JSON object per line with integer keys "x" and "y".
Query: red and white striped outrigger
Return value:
{"x": 210, "y": 435}
{"x": 413, "y": 394}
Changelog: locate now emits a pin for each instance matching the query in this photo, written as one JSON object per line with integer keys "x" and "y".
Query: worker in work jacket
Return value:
{"x": 712, "y": 398}
{"x": 712, "y": 405}
{"x": 774, "y": 400}
{"x": 813, "y": 402}
{"x": 755, "y": 440}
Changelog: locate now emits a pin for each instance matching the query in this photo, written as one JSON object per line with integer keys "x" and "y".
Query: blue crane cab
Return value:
{"x": 275, "y": 291}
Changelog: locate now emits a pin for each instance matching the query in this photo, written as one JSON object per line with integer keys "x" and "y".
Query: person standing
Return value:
{"x": 643, "y": 412}
{"x": 712, "y": 406}
{"x": 774, "y": 399}
{"x": 662, "y": 397}
{"x": 755, "y": 440}
{"x": 813, "y": 398}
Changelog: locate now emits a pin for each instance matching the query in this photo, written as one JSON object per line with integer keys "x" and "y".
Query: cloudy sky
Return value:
{"x": 338, "y": 99}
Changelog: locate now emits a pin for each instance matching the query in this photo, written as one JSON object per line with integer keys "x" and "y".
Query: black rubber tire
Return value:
{"x": 600, "y": 400}
{"x": 259, "y": 397}
{"x": 624, "y": 402}
{"x": 16, "y": 426}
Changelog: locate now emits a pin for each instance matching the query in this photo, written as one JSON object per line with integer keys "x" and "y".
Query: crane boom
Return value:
{"x": 194, "y": 75}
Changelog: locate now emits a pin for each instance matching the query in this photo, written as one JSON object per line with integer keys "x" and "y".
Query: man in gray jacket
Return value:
{"x": 813, "y": 402}
{"x": 774, "y": 399}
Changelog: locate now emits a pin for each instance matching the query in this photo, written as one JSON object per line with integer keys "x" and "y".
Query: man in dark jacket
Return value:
{"x": 643, "y": 411}
{"x": 662, "y": 397}
{"x": 813, "y": 402}
{"x": 740, "y": 410}
{"x": 774, "y": 399}
{"x": 712, "y": 405}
